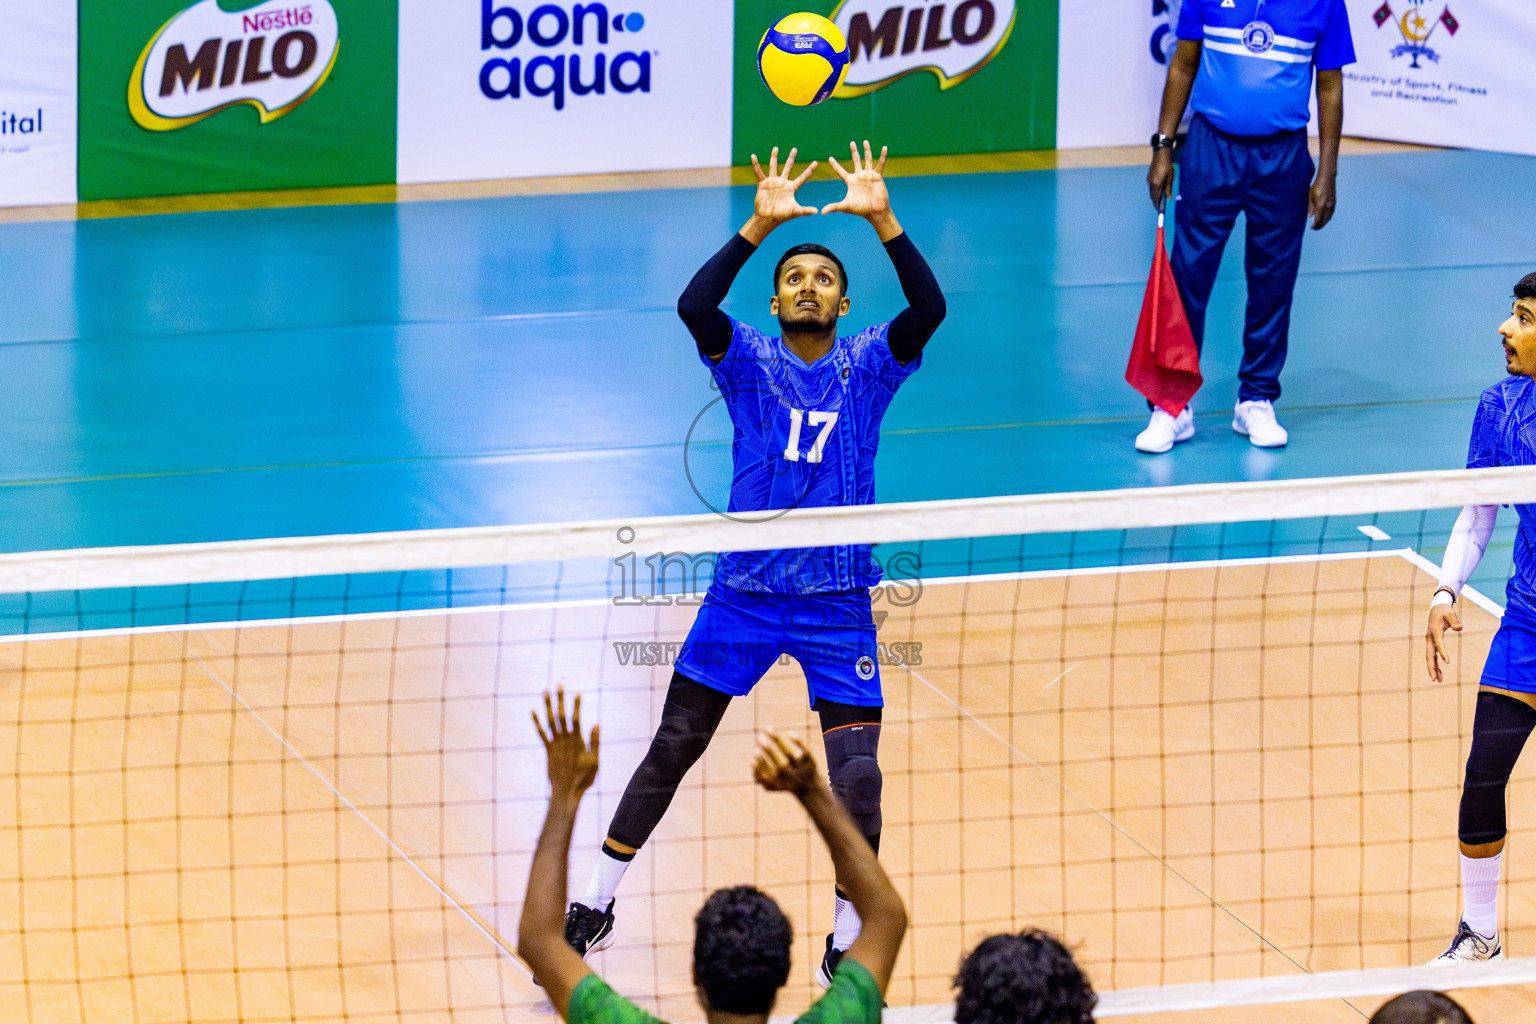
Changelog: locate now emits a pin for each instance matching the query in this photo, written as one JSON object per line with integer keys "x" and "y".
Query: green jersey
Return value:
{"x": 854, "y": 998}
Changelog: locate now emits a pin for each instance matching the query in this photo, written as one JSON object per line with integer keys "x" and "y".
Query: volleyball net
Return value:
{"x": 1189, "y": 729}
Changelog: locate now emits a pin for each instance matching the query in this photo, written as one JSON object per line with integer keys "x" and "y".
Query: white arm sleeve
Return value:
{"x": 1469, "y": 539}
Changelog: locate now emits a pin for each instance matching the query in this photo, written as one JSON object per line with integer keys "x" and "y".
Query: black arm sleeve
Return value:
{"x": 699, "y": 306}
{"x": 925, "y": 310}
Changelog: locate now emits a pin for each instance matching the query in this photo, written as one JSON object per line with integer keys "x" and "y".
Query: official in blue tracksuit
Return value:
{"x": 1245, "y": 67}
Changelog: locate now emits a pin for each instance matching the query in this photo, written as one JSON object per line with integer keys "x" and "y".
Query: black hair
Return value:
{"x": 1525, "y": 288}
{"x": 740, "y": 950}
{"x": 1029, "y": 978}
{"x": 1421, "y": 1007}
{"x": 819, "y": 250}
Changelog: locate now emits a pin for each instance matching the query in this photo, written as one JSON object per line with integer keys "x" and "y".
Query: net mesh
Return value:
{"x": 1203, "y": 751}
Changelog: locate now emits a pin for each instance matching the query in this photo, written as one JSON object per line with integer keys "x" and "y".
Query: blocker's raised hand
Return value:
{"x": 775, "y": 201}
{"x": 572, "y": 763}
{"x": 781, "y": 767}
{"x": 866, "y": 196}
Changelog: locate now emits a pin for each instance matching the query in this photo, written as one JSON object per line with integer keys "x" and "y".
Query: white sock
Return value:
{"x": 845, "y": 924}
{"x": 605, "y": 880}
{"x": 1480, "y": 893}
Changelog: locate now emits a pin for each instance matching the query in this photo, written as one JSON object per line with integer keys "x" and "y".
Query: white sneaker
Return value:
{"x": 1256, "y": 421}
{"x": 1164, "y": 431}
{"x": 1468, "y": 946}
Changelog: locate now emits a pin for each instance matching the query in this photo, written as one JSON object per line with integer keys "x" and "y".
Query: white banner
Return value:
{"x": 1443, "y": 72}
{"x": 37, "y": 102}
{"x": 514, "y": 88}
{"x": 1111, "y": 64}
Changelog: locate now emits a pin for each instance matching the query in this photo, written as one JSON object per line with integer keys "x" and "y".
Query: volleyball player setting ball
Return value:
{"x": 806, "y": 406}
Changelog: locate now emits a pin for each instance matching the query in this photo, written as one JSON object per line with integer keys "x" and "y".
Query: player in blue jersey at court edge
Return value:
{"x": 1503, "y": 434}
{"x": 806, "y": 407}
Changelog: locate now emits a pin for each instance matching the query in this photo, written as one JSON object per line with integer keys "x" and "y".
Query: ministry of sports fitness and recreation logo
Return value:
{"x": 887, "y": 41}
{"x": 271, "y": 56}
{"x": 1416, "y": 29}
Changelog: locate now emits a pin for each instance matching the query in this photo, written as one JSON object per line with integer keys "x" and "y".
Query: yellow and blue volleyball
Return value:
{"x": 802, "y": 58}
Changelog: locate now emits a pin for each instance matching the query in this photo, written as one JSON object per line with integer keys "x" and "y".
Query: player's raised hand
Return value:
{"x": 784, "y": 765}
{"x": 775, "y": 202}
{"x": 1441, "y": 618}
{"x": 572, "y": 763}
{"x": 866, "y": 196}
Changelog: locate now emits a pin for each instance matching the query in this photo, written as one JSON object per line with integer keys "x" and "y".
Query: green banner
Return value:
{"x": 179, "y": 98}
{"x": 925, "y": 78}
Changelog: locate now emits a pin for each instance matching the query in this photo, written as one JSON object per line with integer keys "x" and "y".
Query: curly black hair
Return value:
{"x": 1029, "y": 978}
{"x": 741, "y": 950}
{"x": 1525, "y": 288}
{"x": 1421, "y": 1007}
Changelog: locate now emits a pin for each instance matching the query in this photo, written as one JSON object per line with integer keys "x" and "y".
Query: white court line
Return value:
{"x": 498, "y": 943}
{"x": 1109, "y": 822}
{"x": 597, "y": 602}
{"x": 1290, "y": 988}
{"x": 1472, "y": 594}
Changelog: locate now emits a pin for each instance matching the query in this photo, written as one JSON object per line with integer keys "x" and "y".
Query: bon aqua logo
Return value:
{"x": 555, "y": 52}
{"x": 206, "y": 59}
{"x": 889, "y": 41}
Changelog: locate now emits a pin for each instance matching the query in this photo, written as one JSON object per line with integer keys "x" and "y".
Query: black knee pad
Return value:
{"x": 681, "y": 739}
{"x": 1499, "y": 731}
{"x": 689, "y": 718}
{"x": 854, "y": 771}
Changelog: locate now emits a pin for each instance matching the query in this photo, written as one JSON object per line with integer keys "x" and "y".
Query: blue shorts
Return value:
{"x": 740, "y": 633}
{"x": 1511, "y": 663}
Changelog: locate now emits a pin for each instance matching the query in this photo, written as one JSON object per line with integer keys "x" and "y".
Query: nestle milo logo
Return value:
{"x": 273, "y": 57}
{"x": 888, "y": 40}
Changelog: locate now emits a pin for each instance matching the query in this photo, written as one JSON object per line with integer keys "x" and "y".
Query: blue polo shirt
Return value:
{"x": 1257, "y": 57}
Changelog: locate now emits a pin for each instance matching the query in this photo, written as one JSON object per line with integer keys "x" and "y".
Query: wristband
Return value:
{"x": 1442, "y": 596}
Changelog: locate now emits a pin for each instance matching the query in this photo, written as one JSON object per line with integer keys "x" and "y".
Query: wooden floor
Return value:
{"x": 1209, "y": 773}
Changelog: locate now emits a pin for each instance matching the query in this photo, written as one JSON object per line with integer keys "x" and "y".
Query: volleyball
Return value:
{"x": 802, "y": 58}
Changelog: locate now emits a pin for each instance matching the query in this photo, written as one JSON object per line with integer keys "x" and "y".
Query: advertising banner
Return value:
{"x": 511, "y": 88}
{"x": 924, "y": 78}
{"x": 37, "y": 103}
{"x": 1114, "y": 60}
{"x": 179, "y": 97}
{"x": 1443, "y": 72}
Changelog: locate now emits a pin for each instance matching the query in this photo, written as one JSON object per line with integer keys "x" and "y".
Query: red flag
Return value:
{"x": 1165, "y": 365}
{"x": 1449, "y": 21}
{"x": 1382, "y": 15}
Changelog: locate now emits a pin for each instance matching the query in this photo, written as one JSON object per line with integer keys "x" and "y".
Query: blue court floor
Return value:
{"x": 209, "y": 376}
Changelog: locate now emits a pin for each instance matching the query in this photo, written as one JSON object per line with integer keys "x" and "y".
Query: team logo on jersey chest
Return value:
{"x": 1258, "y": 37}
{"x": 843, "y": 373}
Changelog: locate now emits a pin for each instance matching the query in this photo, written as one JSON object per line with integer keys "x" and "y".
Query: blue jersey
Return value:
{"x": 805, "y": 436}
{"x": 1257, "y": 57}
{"x": 1504, "y": 434}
